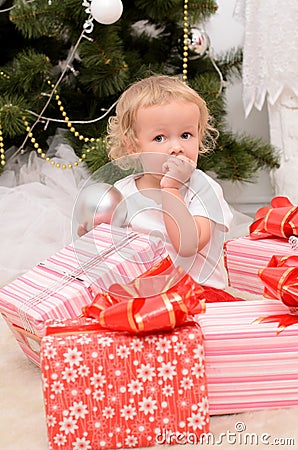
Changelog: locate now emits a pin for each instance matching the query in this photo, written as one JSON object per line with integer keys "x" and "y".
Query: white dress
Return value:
{"x": 203, "y": 197}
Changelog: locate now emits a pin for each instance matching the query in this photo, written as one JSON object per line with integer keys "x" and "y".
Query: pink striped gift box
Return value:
{"x": 60, "y": 286}
{"x": 248, "y": 365}
{"x": 244, "y": 257}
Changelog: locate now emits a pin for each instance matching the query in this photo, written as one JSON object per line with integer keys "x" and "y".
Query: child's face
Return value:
{"x": 168, "y": 130}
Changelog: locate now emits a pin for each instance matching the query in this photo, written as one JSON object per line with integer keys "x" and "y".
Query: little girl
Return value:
{"x": 165, "y": 125}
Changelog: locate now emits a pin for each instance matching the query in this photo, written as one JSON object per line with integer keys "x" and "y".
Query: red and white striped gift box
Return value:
{"x": 61, "y": 285}
{"x": 244, "y": 257}
{"x": 249, "y": 366}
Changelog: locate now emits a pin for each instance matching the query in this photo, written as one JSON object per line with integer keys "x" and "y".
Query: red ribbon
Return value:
{"x": 130, "y": 308}
{"x": 158, "y": 300}
{"x": 179, "y": 298}
{"x": 161, "y": 299}
{"x": 284, "y": 320}
{"x": 280, "y": 278}
{"x": 279, "y": 220}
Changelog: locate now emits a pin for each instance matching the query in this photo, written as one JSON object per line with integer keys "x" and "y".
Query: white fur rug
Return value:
{"x": 22, "y": 419}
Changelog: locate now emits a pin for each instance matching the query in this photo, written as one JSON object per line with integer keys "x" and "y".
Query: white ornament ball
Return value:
{"x": 106, "y": 11}
{"x": 100, "y": 203}
{"x": 199, "y": 42}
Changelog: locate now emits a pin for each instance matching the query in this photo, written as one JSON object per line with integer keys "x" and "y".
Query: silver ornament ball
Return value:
{"x": 100, "y": 203}
{"x": 199, "y": 42}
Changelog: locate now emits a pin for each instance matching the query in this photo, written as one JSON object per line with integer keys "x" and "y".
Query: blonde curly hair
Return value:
{"x": 152, "y": 91}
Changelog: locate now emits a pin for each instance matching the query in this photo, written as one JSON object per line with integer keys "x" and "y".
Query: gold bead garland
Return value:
{"x": 2, "y": 152}
{"x": 67, "y": 120}
{"x": 36, "y": 146}
{"x": 4, "y": 75}
{"x": 185, "y": 41}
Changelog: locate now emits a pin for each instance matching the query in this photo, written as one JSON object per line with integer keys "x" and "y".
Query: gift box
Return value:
{"x": 245, "y": 256}
{"x": 67, "y": 281}
{"x": 250, "y": 365}
{"x": 109, "y": 389}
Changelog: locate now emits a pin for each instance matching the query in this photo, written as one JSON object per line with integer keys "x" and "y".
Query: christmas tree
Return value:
{"x": 61, "y": 68}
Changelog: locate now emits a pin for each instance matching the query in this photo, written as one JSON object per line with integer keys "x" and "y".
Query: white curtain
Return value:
{"x": 270, "y": 73}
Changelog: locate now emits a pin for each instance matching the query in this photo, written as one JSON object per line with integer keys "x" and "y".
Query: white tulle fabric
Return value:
{"x": 36, "y": 210}
{"x": 270, "y": 61}
{"x": 36, "y": 203}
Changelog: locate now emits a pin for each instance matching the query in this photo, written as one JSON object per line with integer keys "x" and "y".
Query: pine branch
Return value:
{"x": 26, "y": 73}
{"x": 230, "y": 64}
{"x": 12, "y": 110}
{"x": 234, "y": 156}
{"x": 36, "y": 19}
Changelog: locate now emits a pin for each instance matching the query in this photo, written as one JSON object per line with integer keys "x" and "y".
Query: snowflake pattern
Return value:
{"x": 50, "y": 352}
{"x": 73, "y": 356}
{"x": 199, "y": 352}
{"x": 198, "y": 370}
{"x": 81, "y": 444}
{"x": 68, "y": 425}
{"x": 114, "y": 390}
{"x": 137, "y": 345}
{"x": 135, "y": 387}
{"x": 128, "y": 412}
{"x": 98, "y": 380}
{"x": 197, "y": 421}
{"x": 148, "y": 405}
{"x": 69, "y": 374}
{"x": 146, "y": 372}
{"x": 163, "y": 345}
{"x": 167, "y": 371}
{"x": 180, "y": 348}
{"x": 78, "y": 410}
{"x": 168, "y": 390}
{"x": 123, "y": 351}
{"x": 186, "y": 383}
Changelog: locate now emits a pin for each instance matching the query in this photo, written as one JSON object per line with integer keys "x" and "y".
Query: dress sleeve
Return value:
{"x": 205, "y": 198}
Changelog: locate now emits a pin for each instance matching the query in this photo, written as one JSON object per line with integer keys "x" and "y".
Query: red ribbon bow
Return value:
{"x": 161, "y": 299}
{"x": 131, "y": 308}
{"x": 279, "y": 220}
{"x": 280, "y": 278}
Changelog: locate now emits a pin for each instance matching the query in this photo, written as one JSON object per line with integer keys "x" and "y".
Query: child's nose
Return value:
{"x": 176, "y": 148}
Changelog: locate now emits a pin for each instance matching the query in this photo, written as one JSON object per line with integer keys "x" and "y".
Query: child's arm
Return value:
{"x": 188, "y": 234}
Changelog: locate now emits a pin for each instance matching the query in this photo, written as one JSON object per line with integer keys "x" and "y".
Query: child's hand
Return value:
{"x": 177, "y": 170}
{"x": 82, "y": 230}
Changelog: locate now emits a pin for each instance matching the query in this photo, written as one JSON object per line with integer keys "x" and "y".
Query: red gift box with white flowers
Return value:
{"x": 109, "y": 389}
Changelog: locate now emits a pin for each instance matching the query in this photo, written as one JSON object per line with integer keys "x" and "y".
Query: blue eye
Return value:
{"x": 186, "y": 135}
{"x": 159, "y": 138}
